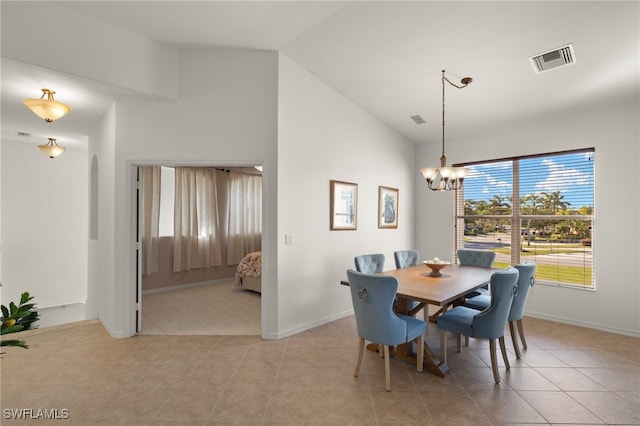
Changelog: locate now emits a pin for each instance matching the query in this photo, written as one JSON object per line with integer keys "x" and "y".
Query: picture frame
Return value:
{"x": 343, "y": 206}
{"x": 388, "y": 207}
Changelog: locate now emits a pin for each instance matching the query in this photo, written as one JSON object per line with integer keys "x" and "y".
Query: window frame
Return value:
{"x": 517, "y": 219}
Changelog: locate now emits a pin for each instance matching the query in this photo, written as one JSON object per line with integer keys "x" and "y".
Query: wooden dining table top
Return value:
{"x": 415, "y": 282}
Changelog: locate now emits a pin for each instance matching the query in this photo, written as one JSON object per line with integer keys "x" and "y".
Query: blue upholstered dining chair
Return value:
{"x": 481, "y": 258}
{"x": 372, "y": 297}
{"x": 369, "y": 263}
{"x": 487, "y": 324}
{"x": 406, "y": 258}
{"x": 527, "y": 271}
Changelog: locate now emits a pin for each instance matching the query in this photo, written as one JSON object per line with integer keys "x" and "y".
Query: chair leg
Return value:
{"x": 359, "y": 358}
{"x": 466, "y": 340}
{"x": 380, "y": 351}
{"x": 503, "y": 349}
{"x": 521, "y": 331}
{"x": 514, "y": 339}
{"x": 387, "y": 369}
{"x": 443, "y": 347}
{"x": 420, "y": 357}
{"x": 494, "y": 360}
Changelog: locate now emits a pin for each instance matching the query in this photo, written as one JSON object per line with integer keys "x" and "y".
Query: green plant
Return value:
{"x": 18, "y": 318}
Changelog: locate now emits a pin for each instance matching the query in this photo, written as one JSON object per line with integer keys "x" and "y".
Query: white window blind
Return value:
{"x": 538, "y": 208}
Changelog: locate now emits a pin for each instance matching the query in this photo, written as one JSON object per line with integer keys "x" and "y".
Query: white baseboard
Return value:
{"x": 55, "y": 315}
{"x": 110, "y": 329}
{"x": 59, "y": 327}
{"x": 571, "y": 321}
{"x": 308, "y": 326}
{"x": 60, "y": 306}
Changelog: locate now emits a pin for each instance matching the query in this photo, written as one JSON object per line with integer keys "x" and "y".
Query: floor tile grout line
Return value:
{"x": 466, "y": 391}
{"x": 532, "y": 407}
{"x": 226, "y": 385}
{"x": 587, "y": 408}
{"x": 275, "y": 381}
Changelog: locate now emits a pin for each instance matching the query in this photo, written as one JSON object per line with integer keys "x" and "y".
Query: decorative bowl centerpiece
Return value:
{"x": 436, "y": 265}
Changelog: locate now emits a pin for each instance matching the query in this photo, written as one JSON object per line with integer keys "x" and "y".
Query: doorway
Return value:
{"x": 200, "y": 300}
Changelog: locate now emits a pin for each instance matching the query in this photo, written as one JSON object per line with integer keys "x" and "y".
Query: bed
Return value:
{"x": 249, "y": 272}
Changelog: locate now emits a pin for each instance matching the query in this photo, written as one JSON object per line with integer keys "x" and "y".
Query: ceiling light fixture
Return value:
{"x": 51, "y": 148}
{"x": 445, "y": 178}
{"x": 48, "y": 109}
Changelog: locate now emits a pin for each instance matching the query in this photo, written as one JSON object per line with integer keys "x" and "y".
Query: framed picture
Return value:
{"x": 387, "y": 207}
{"x": 344, "y": 206}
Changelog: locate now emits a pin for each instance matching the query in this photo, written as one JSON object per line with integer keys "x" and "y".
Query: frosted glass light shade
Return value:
{"x": 461, "y": 172}
{"x": 52, "y": 149}
{"x": 428, "y": 172}
{"x": 446, "y": 172}
{"x": 48, "y": 109}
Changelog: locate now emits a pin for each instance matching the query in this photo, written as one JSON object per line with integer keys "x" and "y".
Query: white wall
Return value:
{"x": 44, "y": 225}
{"x": 322, "y": 136}
{"x": 225, "y": 115}
{"x": 90, "y": 48}
{"x": 613, "y": 131}
{"x": 101, "y": 301}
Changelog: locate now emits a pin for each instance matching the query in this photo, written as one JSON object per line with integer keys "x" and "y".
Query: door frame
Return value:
{"x": 132, "y": 310}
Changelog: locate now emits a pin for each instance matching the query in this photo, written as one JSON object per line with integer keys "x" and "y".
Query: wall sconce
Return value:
{"x": 51, "y": 148}
{"x": 48, "y": 109}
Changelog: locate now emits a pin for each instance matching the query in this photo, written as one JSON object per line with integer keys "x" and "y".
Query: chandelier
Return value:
{"x": 51, "y": 148}
{"x": 445, "y": 178}
{"x": 48, "y": 109}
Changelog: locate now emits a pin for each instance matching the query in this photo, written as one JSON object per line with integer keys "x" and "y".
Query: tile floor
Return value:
{"x": 569, "y": 375}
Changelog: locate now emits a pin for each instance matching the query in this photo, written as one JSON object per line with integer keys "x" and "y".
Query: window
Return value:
{"x": 167, "y": 195}
{"x": 537, "y": 208}
{"x": 245, "y": 215}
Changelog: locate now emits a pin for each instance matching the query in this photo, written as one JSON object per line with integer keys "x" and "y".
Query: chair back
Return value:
{"x": 483, "y": 258}
{"x": 405, "y": 258}
{"x": 525, "y": 282}
{"x": 490, "y": 323}
{"x": 370, "y": 263}
{"x": 372, "y": 297}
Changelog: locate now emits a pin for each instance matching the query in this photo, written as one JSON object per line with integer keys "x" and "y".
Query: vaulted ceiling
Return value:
{"x": 386, "y": 56}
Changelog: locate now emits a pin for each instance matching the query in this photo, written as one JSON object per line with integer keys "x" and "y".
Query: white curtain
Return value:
{"x": 150, "y": 216}
{"x": 196, "y": 230}
{"x": 245, "y": 216}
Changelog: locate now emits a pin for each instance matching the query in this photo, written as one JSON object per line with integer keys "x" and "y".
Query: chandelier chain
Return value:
{"x": 445, "y": 178}
{"x": 465, "y": 81}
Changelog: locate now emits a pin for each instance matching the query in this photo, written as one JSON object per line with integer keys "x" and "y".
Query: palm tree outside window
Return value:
{"x": 538, "y": 207}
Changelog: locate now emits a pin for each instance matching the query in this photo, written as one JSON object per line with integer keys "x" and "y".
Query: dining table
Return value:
{"x": 420, "y": 284}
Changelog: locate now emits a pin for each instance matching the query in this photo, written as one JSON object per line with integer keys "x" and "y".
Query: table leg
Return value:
{"x": 406, "y": 351}
{"x": 434, "y": 317}
{"x": 436, "y": 366}
{"x": 443, "y": 346}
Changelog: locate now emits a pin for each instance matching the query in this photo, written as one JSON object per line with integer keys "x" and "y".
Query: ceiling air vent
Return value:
{"x": 418, "y": 119}
{"x": 553, "y": 59}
